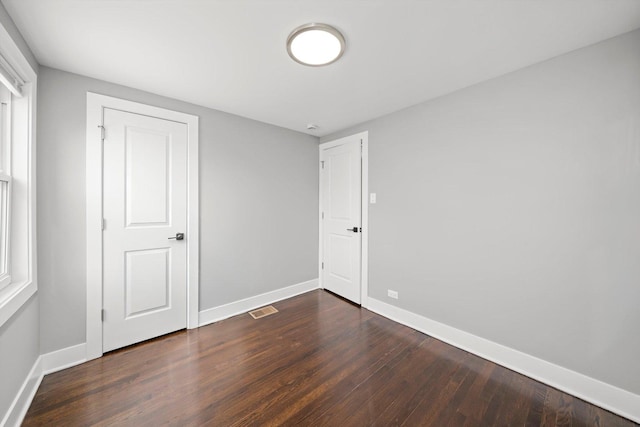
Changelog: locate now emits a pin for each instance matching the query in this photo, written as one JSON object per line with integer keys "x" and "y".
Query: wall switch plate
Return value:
{"x": 372, "y": 198}
{"x": 392, "y": 294}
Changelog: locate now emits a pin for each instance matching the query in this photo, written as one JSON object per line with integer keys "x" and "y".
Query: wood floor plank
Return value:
{"x": 474, "y": 409}
{"x": 457, "y": 390}
{"x": 318, "y": 361}
{"x": 518, "y": 399}
{"x": 433, "y": 409}
{"x": 536, "y": 405}
{"x": 418, "y": 389}
{"x": 341, "y": 371}
{"x": 365, "y": 402}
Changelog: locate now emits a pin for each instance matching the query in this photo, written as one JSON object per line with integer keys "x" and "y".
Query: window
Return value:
{"x": 18, "y": 83}
{"x": 5, "y": 185}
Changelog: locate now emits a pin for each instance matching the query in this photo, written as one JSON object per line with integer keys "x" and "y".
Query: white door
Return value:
{"x": 341, "y": 198}
{"x": 145, "y": 207}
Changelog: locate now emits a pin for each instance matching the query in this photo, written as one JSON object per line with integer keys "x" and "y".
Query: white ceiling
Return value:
{"x": 230, "y": 54}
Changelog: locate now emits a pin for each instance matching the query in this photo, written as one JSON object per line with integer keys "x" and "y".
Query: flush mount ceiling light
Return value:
{"x": 315, "y": 45}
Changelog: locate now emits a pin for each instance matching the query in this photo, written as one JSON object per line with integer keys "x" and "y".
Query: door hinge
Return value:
{"x": 322, "y": 163}
{"x": 101, "y": 132}
{"x": 104, "y": 224}
{"x": 102, "y": 314}
{"x": 323, "y": 265}
{"x": 322, "y": 215}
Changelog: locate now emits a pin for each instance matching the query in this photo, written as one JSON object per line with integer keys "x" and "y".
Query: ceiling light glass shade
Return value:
{"x": 315, "y": 44}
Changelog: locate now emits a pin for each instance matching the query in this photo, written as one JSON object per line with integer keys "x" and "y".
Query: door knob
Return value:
{"x": 179, "y": 236}
{"x": 354, "y": 229}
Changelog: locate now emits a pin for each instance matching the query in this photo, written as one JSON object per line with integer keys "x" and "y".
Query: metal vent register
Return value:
{"x": 262, "y": 312}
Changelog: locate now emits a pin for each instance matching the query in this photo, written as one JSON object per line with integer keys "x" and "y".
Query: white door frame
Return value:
{"x": 95, "y": 109}
{"x": 364, "y": 264}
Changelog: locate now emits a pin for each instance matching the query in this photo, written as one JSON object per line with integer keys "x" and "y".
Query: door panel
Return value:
{"x": 340, "y": 263}
{"x": 145, "y": 203}
{"x": 339, "y": 168}
{"x": 147, "y": 281}
{"x": 341, "y": 204}
{"x": 147, "y": 173}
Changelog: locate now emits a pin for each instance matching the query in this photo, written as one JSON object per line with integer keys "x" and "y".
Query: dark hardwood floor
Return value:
{"x": 320, "y": 361}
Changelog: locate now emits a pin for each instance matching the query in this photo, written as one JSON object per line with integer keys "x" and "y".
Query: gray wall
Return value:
{"x": 19, "y": 336}
{"x": 19, "y": 350}
{"x": 511, "y": 210}
{"x": 258, "y": 198}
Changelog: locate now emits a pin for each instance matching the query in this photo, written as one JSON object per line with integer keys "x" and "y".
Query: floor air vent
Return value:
{"x": 262, "y": 312}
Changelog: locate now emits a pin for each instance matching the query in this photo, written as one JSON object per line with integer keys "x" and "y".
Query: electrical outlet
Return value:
{"x": 392, "y": 294}
{"x": 372, "y": 198}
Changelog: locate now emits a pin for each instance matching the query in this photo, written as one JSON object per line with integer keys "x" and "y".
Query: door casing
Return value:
{"x": 364, "y": 264}
{"x": 94, "y": 192}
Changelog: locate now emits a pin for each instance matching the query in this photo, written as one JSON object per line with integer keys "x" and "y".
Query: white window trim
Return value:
{"x": 5, "y": 278}
{"x": 23, "y": 248}
{"x": 5, "y": 176}
{"x": 95, "y": 109}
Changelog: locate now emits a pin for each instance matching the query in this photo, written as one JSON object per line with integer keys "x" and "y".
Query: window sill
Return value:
{"x": 13, "y": 297}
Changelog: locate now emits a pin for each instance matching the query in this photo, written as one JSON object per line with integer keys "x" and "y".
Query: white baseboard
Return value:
{"x": 225, "y": 311}
{"x": 599, "y": 393}
{"x": 20, "y": 405}
{"x": 64, "y": 358}
{"x": 45, "y": 364}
